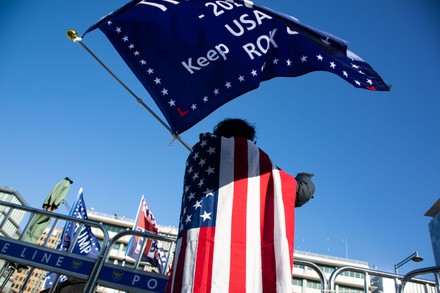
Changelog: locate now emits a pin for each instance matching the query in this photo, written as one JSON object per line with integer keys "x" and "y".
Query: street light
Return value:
{"x": 414, "y": 257}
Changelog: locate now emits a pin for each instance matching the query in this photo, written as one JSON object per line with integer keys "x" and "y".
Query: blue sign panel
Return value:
{"x": 75, "y": 265}
{"x": 45, "y": 258}
{"x": 132, "y": 279}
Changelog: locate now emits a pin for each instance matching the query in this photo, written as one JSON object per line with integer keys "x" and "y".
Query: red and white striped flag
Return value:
{"x": 153, "y": 251}
{"x": 236, "y": 228}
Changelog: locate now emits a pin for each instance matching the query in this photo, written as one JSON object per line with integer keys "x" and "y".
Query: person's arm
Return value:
{"x": 305, "y": 188}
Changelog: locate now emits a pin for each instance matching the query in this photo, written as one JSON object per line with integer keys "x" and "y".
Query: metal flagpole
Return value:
{"x": 72, "y": 34}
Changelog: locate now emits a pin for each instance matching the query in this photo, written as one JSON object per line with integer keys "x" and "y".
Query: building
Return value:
{"x": 33, "y": 278}
{"x": 434, "y": 229}
{"x": 10, "y": 221}
{"x": 11, "y": 227}
{"x": 305, "y": 279}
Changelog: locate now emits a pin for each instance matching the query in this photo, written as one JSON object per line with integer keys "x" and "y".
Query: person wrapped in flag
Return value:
{"x": 236, "y": 228}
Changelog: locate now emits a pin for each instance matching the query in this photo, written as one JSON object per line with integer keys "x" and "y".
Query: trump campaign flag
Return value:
{"x": 193, "y": 56}
{"x": 86, "y": 244}
{"x": 236, "y": 228}
{"x": 153, "y": 251}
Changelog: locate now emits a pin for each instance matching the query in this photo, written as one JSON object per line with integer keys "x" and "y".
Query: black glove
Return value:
{"x": 305, "y": 188}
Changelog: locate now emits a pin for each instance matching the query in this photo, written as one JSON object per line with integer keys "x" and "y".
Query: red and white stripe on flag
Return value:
{"x": 250, "y": 246}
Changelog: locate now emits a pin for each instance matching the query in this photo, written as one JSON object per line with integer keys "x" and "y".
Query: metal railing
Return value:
{"x": 132, "y": 279}
{"x": 314, "y": 267}
{"x": 19, "y": 253}
{"x": 102, "y": 272}
{"x": 93, "y": 272}
{"x": 399, "y": 280}
{"x": 409, "y": 277}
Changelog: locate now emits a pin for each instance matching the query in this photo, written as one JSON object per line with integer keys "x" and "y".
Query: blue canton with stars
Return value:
{"x": 194, "y": 56}
{"x": 90, "y": 246}
{"x": 199, "y": 200}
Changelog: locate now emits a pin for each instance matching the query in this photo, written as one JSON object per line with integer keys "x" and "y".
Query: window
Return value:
{"x": 353, "y": 274}
{"x": 345, "y": 289}
{"x": 327, "y": 269}
{"x": 313, "y": 284}
{"x": 297, "y": 282}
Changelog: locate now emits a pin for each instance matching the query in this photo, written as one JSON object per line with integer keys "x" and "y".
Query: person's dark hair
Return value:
{"x": 235, "y": 127}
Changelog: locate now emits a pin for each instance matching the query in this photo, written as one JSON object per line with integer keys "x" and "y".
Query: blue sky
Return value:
{"x": 375, "y": 155}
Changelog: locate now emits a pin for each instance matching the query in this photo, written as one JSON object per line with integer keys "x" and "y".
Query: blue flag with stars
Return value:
{"x": 194, "y": 56}
{"x": 86, "y": 243}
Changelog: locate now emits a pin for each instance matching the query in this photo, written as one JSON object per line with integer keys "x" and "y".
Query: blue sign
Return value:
{"x": 132, "y": 279}
{"x": 71, "y": 264}
{"x": 45, "y": 258}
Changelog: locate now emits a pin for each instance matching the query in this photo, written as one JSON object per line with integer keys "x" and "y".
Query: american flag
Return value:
{"x": 193, "y": 56}
{"x": 236, "y": 227}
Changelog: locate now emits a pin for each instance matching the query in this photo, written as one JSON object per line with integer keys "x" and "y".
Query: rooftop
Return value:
{"x": 434, "y": 210}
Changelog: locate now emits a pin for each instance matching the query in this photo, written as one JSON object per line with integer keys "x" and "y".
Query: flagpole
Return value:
{"x": 72, "y": 35}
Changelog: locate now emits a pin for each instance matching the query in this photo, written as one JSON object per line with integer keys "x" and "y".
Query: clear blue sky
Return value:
{"x": 375, "y": 155}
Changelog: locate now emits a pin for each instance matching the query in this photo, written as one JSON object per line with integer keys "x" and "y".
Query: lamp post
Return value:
{"x": 414, "y": 257}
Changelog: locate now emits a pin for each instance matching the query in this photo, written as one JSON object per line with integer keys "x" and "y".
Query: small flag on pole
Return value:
{"x": 194, "y": 56}
{"x": 153, "y": 251}
{"x": 87, "y": 244}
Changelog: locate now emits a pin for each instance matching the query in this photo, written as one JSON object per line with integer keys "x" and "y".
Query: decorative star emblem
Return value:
{"x": 210, "y": 170}
{"x": 202, "y": 162}
{"x": 191, "y": 196}
{"x": 198, "y": 204}
{"x": 211, "y": 150}
{"x": 206, "y": 216}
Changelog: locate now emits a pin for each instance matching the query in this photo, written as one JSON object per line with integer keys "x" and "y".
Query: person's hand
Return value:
{"x": 303, "y": 175}
{"x": 307, "y": 179}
